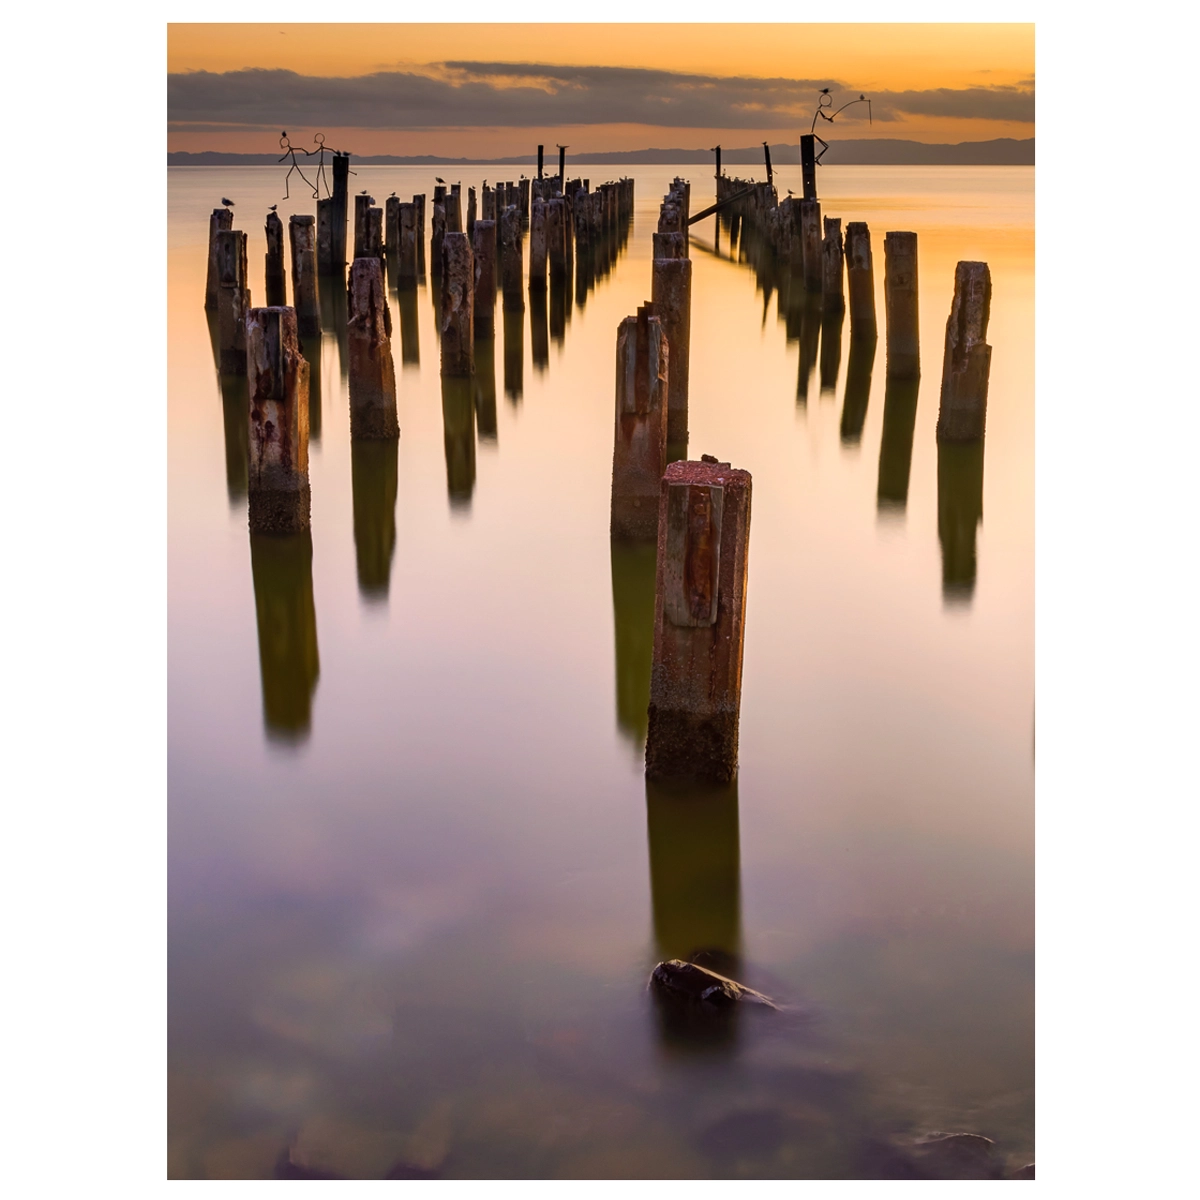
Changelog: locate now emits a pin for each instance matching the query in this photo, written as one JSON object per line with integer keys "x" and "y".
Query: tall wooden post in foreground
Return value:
{"x": 900, "y": 302}
{"x": 671, "y": 294}
{"x": 699, "y": 622}
{"x": 233, "y": 299}
{"x": 220, "y": 220}
{"x": 860, "y": 275}
{"x": 968, "y": 358}
{"x": 372, "y": 371}
{"x": 833, "y": 296}
{"x": 340, "y": 209}
{"x": 640, "y": 441}
{"x": 278, "y": 379}
{"x": 458, "y": 305}
{"x": 808, "y": 165}
{"x": 276, "y": 286}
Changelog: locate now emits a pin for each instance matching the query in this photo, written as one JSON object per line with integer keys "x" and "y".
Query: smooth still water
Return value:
{"x": 416, "y": 882}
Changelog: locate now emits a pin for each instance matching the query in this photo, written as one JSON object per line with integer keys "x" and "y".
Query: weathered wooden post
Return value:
{"x": 278, "y": 382}
{"x": 391, "y": 221}
{"x": 368, "y": 229}
{"x": 276, "y": 285}
{"x": 512, "y": 265}
{"x": 419, "y": 201}
{"x": 562, "y": 167}
{"x": 671, "y": 295}
{"x": 699, "y": 622}
{"x": 220, "y": 220}
{"x": 340, "y": 211}
{"x": 556, "y": 237}
{"x": 233, "y": 299}
{"x": 453, "y": 205}
{"x": 810, "y": 238}
{"x": 407, "y": 246}
{"x": 540, "y": 149}
{"x": 438, "y": 228}
{"x": 900, "y": 305}
{"x": 537, "y": 246}
{"x": 325, "y": 237}
{"x": 458, "y": 305}
{"x": 523, "y": 201}
{"x": 640, "y": 442}
{"x": 770, "y": 173}
{"x": 861, "y": 278}
{"x": 966, "y": 366}
{"x": 372, "y": 371}
{"x": 484, "y": 250}
{"x": 808, "y": 165}
{"x": 304, "y": 276}
{"x": 833, "y": 298}
{"x": 471, "y": 212}
{"x": 718, "y": 150}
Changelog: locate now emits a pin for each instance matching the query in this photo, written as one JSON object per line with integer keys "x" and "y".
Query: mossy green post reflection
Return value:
{"x": 960, "y": 512}
{"x": 633, "y": 565}
{"x": 373, "y": 481}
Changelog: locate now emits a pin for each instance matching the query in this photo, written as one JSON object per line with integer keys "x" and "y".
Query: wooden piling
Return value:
{"x": 556, "y": 237}
{"x": 325, "y": 236}
{"x": 304, "y": 276}
{"x": 540, "y": 149}
{"x": 220, "y": 221}
{"x": 770, "y": 173}
{"x": 537, "y": 246}
{"x": 810, "y": 240}
{"x": 962, "y": 415}
{"x": 900, "y": 305}
{"x": 512, "y": 265}
{"x": 523, "y": 201}
{"x": 340, "y": 210}
{"x": 699, "y": 622}
{"x": 372, "y": 371}
{"x": 671, "y": 295}
{"x": 278, "y": 383}
{"x": 808, "y": 165}
{"x": 437, "y": 225}
{"x": 562, "y": 165}
{"x": 391, "y": 227}
{"x": 484, "y": 251}
{"x": 233, "y": 299}
{"x": 276, "y": 283}
{"x": 419, "y": 201}
{"x": 471, "y": 213}
{"x": 407, "y": 253}
{"x": 833, "y": 298}
{"x": 453, "y": 205}
{"x": 458, "y": 305}
{"x": 368, "y": 229}
{"x": 640, "y": 442}
{"x": 860, "y": 276}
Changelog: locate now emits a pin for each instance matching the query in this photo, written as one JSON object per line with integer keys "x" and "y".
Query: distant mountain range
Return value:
{"x": 854, "y": 152}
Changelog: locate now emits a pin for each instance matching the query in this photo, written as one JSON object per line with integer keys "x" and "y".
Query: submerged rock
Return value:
{"x": 691, "y": 983}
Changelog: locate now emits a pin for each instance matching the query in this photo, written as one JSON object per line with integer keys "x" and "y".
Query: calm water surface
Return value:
{"x": 416, "y": 881}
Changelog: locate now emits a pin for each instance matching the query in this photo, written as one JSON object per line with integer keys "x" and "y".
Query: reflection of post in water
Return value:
{"x": 791, "y": 304}
{"x": 310, "y": 347}
{"x": 584, "y": 274}
{"x": 373, "y": 482}
{"x": 514, "y": 352}
{"x": 558, "y": 308}
{"x": 633, "y": 565}
{"x": 538, "y": 335}
{"x": 960, "y": 511}
{"x": 695, "y": 879}
{"x": 458, "y": 424}
{"x": 831, "y": 348}
{"x": 235, "y": 402}
{"x": 858, "y": 387}
{"x": 484, "y": 382}
{"x": 810, "y": 339}
{"x": 287, "y": 631}
{"x": 410, "y": 335}
{"x": 335, "y": 312}
{"x": 895, "y": 448}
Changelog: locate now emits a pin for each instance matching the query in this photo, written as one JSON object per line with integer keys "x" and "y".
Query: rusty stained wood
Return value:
{"x": 693, "y": 553}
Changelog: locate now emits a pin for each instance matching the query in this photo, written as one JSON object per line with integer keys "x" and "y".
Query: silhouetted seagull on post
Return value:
{"x": 227, "y": 203}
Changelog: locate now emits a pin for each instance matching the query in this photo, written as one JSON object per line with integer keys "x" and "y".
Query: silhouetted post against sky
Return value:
{"x": 860, "y": 276}
{"x": 233, "y": 299}
{"x": 372, "y": 370}
{"x": 767, "y": 156}
{"x": 221, "y": 219}
{"x": 562, "y": 165}
{"x": 808, "y": 165}
{"x": 900, "y": 305}
{"x": 718, "y": 151}
{"x": 484, "y": 250}
{"x": 833, "y": 298}
{"x": 340, "y": 210}
{"x": 962, "y": 414}
{"x": 457, "y": 324}
{"x": 640, "y": 441}
{"x": 278, "y": 379}
{"x": 699, "y": 611}
{"x": 276, "y": 283}
{"x": 304, "y": 276}
{"x": 540, "y": 149}
{"x": 671, "y": 295}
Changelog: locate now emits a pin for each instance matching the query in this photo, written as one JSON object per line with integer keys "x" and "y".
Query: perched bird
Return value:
{"x": 824, "y": 91}
{"x": 363, "y": 192}
{"x": 393, "y": 193}
{"x": 790, "y": 191}
{"x": 274, "y": 207}
{"x": 227, "y": 203}
{"x": 438, "y": 179}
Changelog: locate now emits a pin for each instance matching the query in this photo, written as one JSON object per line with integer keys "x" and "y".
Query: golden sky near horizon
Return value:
{"x": 893, "y": 59}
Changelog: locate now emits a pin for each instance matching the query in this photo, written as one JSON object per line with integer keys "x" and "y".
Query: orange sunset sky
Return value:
{"x": 472, "y": 89}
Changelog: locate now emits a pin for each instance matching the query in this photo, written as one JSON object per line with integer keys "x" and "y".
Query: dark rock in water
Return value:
{"x": 1026, "y": 1172}
{"x": 689, "y": 982}
{"x": 958, "y": 1156}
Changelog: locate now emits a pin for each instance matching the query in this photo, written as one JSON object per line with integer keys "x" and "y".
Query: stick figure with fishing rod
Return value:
{"x": 824, "y": 101}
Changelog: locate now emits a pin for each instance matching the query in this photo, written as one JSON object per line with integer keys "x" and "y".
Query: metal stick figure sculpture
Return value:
{"x": 319, "y": 142}
{"x": 824, "y": 101}
{"x": 290, "y": 151}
